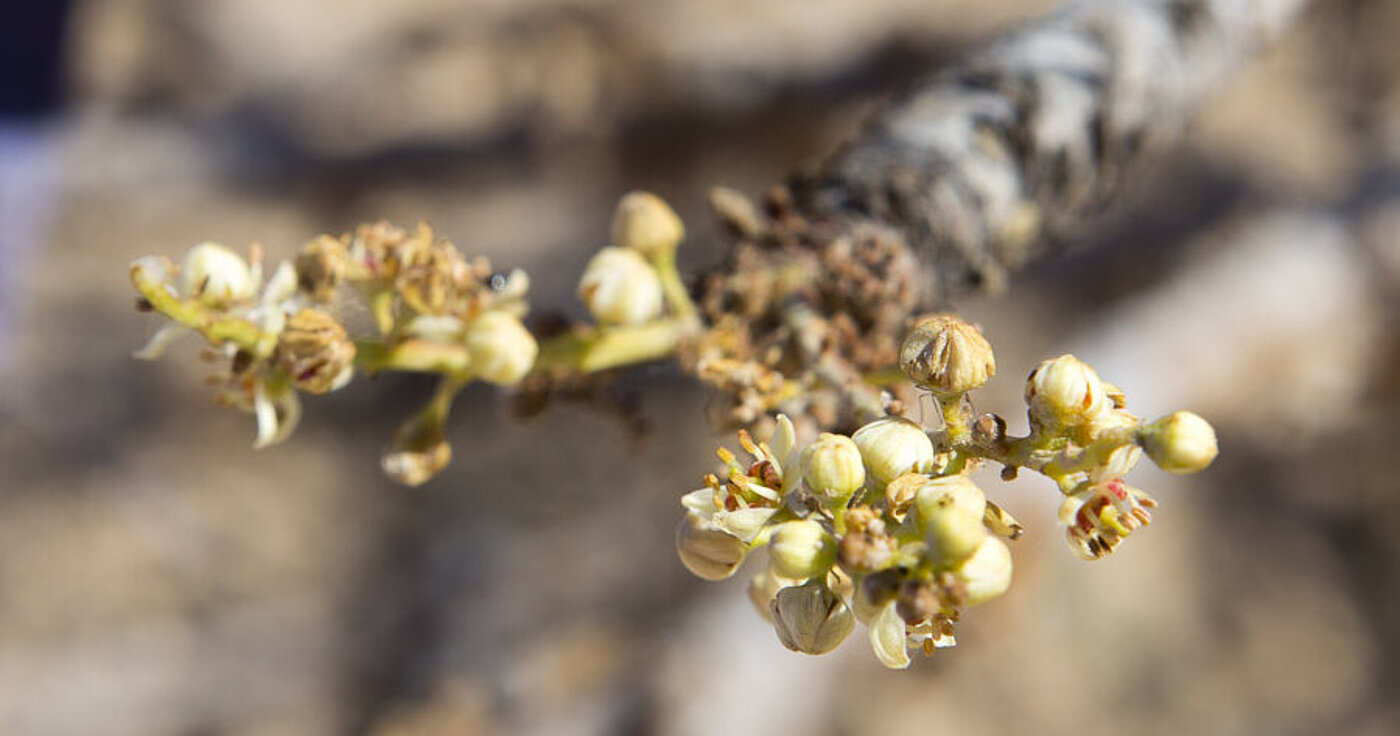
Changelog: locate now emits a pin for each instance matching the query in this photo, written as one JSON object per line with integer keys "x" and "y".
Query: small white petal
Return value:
{"x": 155, "y": 347}
{"x": 744, "y": 523}
{"x": 887, "y": 638}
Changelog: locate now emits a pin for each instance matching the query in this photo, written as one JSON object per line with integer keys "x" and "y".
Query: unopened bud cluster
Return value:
{"x": 885, "y": 527}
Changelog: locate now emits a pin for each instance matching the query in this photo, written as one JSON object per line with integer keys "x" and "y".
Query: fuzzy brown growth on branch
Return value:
{"x": 952, "y": 187}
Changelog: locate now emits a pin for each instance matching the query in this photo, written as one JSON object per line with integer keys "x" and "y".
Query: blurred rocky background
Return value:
{"x": 158, "y": 576}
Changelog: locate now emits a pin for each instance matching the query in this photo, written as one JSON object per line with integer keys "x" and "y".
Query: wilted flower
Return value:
{"x": 315, "y": 353}
{"x": 811, "y": 618}
{"x": 946, "y": 355}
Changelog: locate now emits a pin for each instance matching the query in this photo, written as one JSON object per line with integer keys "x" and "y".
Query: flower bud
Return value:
{"x": 1065, "y": 391}
{"x": 801, "y": 549}
{"x": 1180, "y": 443}
{"x": 501, "y": 350}
{"x": 811, "y": 619}
{"x": 645, "y": 223}
{"x": 215, "y": 275}
{"x": 620, "y": 288}
{"x": 314, "y": 351}
{"x": 951, "y": 510}
{"x": 987, "y": 573}
{"x": 706, "y": 550}
{"x": 833, "y": 469}
{"x": 893, "y": 446}
{"x": 946, "y": 355}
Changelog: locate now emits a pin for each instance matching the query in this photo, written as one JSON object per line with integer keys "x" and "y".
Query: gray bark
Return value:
{"x": 1028, "y": 136}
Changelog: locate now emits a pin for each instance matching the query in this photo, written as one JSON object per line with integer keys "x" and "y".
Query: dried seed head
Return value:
{"x": 321, "y": 266}
{"x": 833, "y": 469}
{"x": 315, "y": 353}
{"x": 620, "y": 287}
{"x": 1066, "y": 392}
{"x": 419, "y": 450}
{"x": 707, "y": 550}
{"x": 811, "y": 619}
{"x": 501, "y": 350}
{"x": 946, "y": 355}
{"x": 215, "y": 275}
{"x": 1180, "y": 443}
{"x": 645, "y": 223}
{"x": 801, "y": 549}
{"x": 893, "y": 446}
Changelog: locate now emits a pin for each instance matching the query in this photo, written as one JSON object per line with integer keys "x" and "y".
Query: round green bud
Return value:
{"x": 946, "y": 355}
{"x": 833, "y": 469}
{"x": 951, "y": 510}
{"x": 1180, "y": 443}
{"x": 893, "y": 446}
{"x": 801, "y": 549}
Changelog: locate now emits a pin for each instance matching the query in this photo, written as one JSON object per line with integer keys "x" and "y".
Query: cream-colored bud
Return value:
{"x": 811, "y": 619}
{"x": 833, "y": 469}
{"x": 951, "y": 510}
{"x": 801, "y": 549}
{"x": 620, "y": 287}
{"x": 1065, "y": 391}
{"x": 500, "y": 349}
{"x": 987, "y": 573}
{"x": 215, "y": 274}
{"x": 645, "y": 223}
{"x": 958, "y": 491}
{"x": 946, "y": 355}
{"x": 893, "y": 446}
{"x": 707, "y": 550}
{"x": 314, "y": 351}
{"x": 1182, "y": 442}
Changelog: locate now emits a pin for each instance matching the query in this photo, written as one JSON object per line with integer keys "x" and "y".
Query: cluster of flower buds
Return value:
{"x": 885, "y": 527}
{"x": 629, "y": 282}
{"x": 434, "y": 310}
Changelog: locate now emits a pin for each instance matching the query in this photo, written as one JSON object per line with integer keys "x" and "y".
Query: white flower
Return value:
{"x": 833, "y": 468}
{"x": 987, "y": 573}
{"x": 801, "y": 549}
